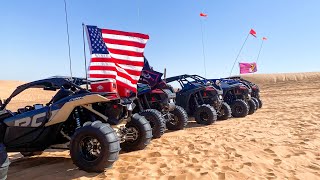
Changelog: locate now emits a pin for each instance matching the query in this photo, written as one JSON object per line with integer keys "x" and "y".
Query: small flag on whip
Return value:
{"x": 203, "y": 15}
{"x": 253, "y": 33}
{"x": 116, "y": 55}
{"x": 248, "y": 68}
{"x": 264, "y": 38}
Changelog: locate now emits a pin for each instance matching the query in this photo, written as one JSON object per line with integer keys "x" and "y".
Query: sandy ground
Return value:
{"x": 279, "y": 141}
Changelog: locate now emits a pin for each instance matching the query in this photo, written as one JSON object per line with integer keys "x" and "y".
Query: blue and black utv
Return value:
{"x": 255, "y": 90}
{"x": 191, "y": 95}
{"x": 253, "y": 106}
{"x": 70, "y": 120}
{"x": 215, "y": 98}
{"x": 237, "y": 95}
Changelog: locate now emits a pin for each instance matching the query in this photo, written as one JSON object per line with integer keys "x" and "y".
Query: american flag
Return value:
{"x": 117, "y": 55}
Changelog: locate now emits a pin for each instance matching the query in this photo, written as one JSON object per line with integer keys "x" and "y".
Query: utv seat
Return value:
{"x": 62, "y": 93}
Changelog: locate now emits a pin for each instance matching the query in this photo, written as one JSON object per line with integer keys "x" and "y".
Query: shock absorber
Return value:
{"x": 77, "y": 117}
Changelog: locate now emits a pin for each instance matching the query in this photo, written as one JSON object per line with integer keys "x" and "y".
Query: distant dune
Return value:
{"x": 282, "y": 77}
{"x": 279, "y": 141}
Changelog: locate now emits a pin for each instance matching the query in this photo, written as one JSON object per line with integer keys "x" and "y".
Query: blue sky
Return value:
{"x": 34, "y": 41}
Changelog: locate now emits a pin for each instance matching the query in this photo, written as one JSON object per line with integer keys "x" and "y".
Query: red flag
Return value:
{"x": 264, "y": 38}
{"x": 203, "y": 15}
{"x": 253, "y": 33}
{"x": 116, "y": 55}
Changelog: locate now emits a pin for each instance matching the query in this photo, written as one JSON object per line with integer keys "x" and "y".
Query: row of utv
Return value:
{"x": 90, "y": 119}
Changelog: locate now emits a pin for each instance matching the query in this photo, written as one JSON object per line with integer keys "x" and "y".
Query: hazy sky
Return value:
{"x": 34, "y": 41}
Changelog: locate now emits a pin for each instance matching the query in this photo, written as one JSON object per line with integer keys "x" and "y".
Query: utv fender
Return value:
{"x": 65, "y": 111}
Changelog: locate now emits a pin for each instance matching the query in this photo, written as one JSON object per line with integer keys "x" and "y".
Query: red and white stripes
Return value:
{"x": 125, "y": 59}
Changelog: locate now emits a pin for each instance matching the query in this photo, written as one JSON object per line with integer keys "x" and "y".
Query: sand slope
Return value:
{"x": 280, "y": 141}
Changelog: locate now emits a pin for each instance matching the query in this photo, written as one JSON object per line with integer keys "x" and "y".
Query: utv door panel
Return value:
{"x": 34, "y": 118}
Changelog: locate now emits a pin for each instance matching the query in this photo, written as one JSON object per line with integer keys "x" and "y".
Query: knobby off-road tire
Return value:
{"x": 156, "y": 120}
{"x": 260, "y": 103}
{"x": 4, "y": 162}
{"x": 225, "y": 112}
{"x": 239, "y": 108}
{"x": 29, "y": 154}
{"x": 252, "y": 107}
{"x": 180, "y": 119}
{"x": 94, "y": 147}
{"x": 144, "y": 132}
{"x": 256, "y": 101}
{"x": 205, "y": 114}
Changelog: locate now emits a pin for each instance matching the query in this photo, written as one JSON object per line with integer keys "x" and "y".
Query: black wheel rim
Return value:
{"x": 132, "y": 134}
{"x": 238, "y": 109}
{"x": 173, "y": 119}
{"x": 222, "y": 111}
{"x": 204, "y": 116}
{"x": 90, "y": 148}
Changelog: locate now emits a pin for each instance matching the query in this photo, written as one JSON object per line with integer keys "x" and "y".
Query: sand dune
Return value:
{"x": 279, "y": 141}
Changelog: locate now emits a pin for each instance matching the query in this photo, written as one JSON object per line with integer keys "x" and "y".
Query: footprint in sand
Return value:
{"x": 248, "y": 163}
{"x": 314, "y": 167}
{"x": 271, "y": 175}
{"x": 221, "y": 176}
{"x": 277, "y": 161}
{"x": 163, "y": 165}
{"x": 298, "y": 153}
{"x": 194, "y": 160}
{"x": 269, "y": 151}
{"x": 154, "y": 154}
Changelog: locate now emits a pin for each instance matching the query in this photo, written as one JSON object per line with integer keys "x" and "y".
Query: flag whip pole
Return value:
{"x": 84, "y": 54}
{"x": 259, "y": 51}
{"x": 203, "y": 51}
{"x": 234, "y": 63}
{"x": 67, "y": 23}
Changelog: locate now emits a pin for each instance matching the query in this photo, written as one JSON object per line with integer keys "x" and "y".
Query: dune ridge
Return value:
{"x": 279, "y": 141}
{"x": 282, "y": 77}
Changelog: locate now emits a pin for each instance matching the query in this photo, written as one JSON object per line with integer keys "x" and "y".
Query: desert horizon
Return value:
{"x": 279, "y": 141}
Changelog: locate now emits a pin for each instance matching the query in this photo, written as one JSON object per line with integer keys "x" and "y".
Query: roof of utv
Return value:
{"x": 180, "y": 77}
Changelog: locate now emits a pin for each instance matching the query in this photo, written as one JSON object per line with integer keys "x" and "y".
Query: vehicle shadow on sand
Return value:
{"x": 41, "y": 167}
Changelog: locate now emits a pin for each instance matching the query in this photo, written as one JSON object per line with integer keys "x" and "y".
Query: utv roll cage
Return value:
{"x": 53, "y": 84}
{"x": 183, "y": 81}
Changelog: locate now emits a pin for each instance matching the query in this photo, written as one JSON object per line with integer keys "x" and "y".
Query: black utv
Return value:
{"x": 189, "y": 93}
{"x": 255, "y": 90}
{"x": 238, "y": 96}
{"x": 213, "y": 95}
